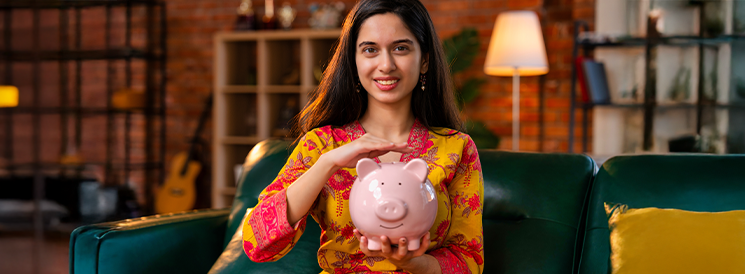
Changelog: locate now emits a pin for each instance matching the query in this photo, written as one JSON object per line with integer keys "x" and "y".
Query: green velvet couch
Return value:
{"x": 536, "y": 210}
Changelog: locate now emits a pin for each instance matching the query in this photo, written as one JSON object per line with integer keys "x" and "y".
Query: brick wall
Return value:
{"x": 190, "y": 60}
{"x": 191, "y": 24}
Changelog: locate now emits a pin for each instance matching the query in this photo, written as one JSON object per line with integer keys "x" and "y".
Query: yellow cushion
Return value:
{"x": 653, "y": 240}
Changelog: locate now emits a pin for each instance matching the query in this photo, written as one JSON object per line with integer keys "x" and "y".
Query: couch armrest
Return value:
{"x": 187, "y": 242}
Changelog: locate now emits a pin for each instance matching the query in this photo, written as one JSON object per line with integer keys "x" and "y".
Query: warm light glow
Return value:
{"x": 8, "y": 96}
{"x": 517, "y": 42}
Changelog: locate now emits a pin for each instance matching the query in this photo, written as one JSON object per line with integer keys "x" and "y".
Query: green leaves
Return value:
{"x": 481, "y": 135}
{"x": 469, "y": 90}
{"x": 461, "y": 49}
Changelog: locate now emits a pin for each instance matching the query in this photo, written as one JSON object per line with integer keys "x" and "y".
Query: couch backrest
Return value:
{"x": 708, "y": 183}
{"x": 533, "y": 209}
{"x": 262, "y": 165}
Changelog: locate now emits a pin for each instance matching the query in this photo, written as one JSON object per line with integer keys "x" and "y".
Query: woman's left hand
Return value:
{"x": 399, "y": 256}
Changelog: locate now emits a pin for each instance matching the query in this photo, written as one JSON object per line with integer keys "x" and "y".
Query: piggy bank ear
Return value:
{"x": 365, "y": 166}
{"x": 418, "y": 167}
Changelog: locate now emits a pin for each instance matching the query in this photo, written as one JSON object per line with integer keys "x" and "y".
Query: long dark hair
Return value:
{"x": 335, "y": 102}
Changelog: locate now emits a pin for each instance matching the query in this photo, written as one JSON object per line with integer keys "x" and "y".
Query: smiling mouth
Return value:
{"x": 386, "y": 82}
{"x": 392, "y": 227}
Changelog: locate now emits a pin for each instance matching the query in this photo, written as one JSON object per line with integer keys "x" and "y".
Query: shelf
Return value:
{"x": 118, "y": 53}
{"x": 241, "y": 67}
{"x": 239, "y": 89}
{"x": 661, "y": 106}
{"x": 52, "y": 4}
{"x": 687, "y": 63}
{"x": 285, "y": 58}
{"x": 669, "y": 41}
{"x": 278, "y": 35}
{"x": 261, "y": 80}
{"x": 283, "y": 89}
{"x": 82, "y": 110}
{"x": 240, "y": 140}
{"x": 84, "y": 165}
{"x": 242, "y": 117}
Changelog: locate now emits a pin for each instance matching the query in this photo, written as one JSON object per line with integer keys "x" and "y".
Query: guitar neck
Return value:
{"x": 195, "y": 138}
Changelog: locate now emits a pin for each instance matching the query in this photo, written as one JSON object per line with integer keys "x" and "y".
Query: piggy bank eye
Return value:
{"x": 399, "y": 183}
{"x": 382, "y": 183}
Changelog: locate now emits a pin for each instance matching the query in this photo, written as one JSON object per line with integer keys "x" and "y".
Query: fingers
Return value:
{"x": 422, "y": 246}
{"x": 403, "y": 248}
{"x": 385, "y": 246}
{"x": 363, "y": 246}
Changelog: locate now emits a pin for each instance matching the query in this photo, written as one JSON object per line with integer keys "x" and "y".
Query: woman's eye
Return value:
{"x": 401, "y": 48}
{"x": 368, "y": 50}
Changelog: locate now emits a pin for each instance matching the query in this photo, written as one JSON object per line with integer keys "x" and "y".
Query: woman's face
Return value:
{"x": 389, "y": 59}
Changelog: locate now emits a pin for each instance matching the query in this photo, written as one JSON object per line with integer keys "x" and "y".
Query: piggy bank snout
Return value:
{"x": 391, "y": 209}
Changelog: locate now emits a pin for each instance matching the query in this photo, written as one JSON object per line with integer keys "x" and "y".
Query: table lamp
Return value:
{"x": 8, "y": 96}
{"x": 516, "y": 48}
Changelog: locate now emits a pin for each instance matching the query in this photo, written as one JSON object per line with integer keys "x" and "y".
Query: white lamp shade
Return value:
{"x": 517, "y": 42}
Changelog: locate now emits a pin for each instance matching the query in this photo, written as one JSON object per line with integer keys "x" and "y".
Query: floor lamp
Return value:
{"x": 516, "y": 48}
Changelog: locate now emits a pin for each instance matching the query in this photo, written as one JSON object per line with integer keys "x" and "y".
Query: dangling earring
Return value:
{"x": 423, "y": 78}
{"x": 358, "y": 87}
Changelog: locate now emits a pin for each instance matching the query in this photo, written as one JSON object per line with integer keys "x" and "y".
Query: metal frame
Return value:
{"x": 154, "y": 56}
{"x": 650, "y": 103}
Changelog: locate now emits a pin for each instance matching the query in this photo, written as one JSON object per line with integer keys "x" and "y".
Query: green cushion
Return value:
{"x": 532, "y": 210}
{"x": 710, "y": 183}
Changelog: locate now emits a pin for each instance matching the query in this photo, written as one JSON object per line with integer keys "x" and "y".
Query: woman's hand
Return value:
{"x": 367, "y": 146}
{"x": 399, "y": 256}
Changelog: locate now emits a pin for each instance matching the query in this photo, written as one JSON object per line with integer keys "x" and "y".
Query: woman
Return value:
{"x": 386, "y": 95}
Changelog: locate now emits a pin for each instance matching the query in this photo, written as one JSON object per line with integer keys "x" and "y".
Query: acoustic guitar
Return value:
{"x": 178, "y": 193}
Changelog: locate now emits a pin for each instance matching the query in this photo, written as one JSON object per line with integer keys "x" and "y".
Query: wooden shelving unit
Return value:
{"x": 258, "y": 75}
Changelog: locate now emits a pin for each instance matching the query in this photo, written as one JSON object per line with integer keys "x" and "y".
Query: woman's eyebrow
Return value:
{"x": 405, "y": 41}
{"x": 399, "y": 41}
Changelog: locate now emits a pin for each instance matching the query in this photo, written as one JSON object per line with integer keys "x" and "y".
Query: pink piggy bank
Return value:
{"x": 392, "y": 199}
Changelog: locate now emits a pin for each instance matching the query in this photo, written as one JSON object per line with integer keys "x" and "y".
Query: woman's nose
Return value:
{"x": 387, "y": 64}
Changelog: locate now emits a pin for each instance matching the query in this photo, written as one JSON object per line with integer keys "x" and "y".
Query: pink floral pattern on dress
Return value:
{"x": 417, "y": 141}
{"x": 450, "y": 262}
{"x": 273, "y": 233}
{"x": 455, "y": 171}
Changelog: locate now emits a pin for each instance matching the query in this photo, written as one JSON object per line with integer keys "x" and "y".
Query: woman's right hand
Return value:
{"x": 367, "y": 146}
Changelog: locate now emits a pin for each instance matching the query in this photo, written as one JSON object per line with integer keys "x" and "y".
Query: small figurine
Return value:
{"x": 286, "y": 15}
{"x": 269, "y": 20}
{"x": 393, "y": 199}
{"x": 246, "y": 19}
{"x": 326, "y": 16}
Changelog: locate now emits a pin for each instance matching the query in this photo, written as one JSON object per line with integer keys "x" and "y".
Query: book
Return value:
{"x": 597, "y": 83}
{"x": 584, "y": 96}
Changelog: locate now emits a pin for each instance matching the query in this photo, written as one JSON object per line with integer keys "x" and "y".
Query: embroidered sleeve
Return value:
{"x": 462, "y": 251}
{"x": 267, "y": 234}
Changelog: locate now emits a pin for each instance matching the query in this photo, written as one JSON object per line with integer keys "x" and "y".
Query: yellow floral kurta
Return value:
{"x": 454, "y": 170}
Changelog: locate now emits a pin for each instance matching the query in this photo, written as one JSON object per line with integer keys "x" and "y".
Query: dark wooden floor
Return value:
{"x": 17, "y": 253}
